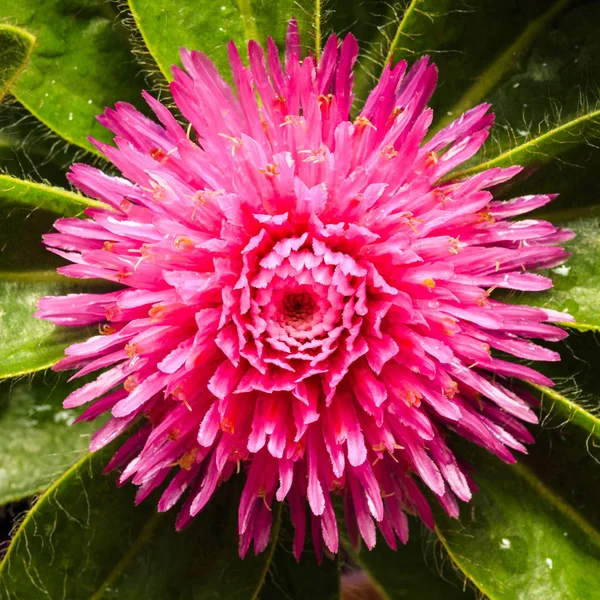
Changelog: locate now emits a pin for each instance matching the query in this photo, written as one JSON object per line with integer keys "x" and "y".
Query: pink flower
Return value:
{"x": 304, "y": 297}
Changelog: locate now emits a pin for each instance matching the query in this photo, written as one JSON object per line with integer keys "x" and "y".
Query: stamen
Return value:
{"x": 325, "y": 101}
{"x": 236, "y": 143}
{"x": 454, "y": 245}
{"x": 388, "y": 152}
{"x": 319, "y": 155}
{"x": 227, "y": 425}
{"x": 392, "y": 456}
{"x": 270, "y": 171}
{"x": 451, "y": 390}
{"x": 293, "y": 120}
{"x": 131, "y": 382}
{"x": 113, "y": 312}
{"x": 132, "y": 350}
{"x": 431, "y": 159}
{"x": 361, "y": 123}
{"x": 156, "y": 313}
{"x": 173, "y": 434}
{"x": 262, "y": 493}
{"x": 123, "y": 275}
{"x": 106, "y": 329}
{"x": 398, "y": 110}
{"x": 183, "y": 243}
{"x": 188, "y": 459}
{"x": 159, "y": 155}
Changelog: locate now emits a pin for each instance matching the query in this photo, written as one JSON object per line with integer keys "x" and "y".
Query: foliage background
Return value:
{"x": 534, "y": 529}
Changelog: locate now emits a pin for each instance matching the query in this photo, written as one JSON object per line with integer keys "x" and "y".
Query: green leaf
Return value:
{"x": 545, "y": 507}
{"x": 170, "y": 24}
{"x": 575, "y": 398}
{"x": 474, "y": 45}
{"x": 565, "y": 458}
{"x": 572, "y": 175}
{"x": 43, "y": 197}
{"x": 537, "y": 66}
{"x": 414, "y": 570}
{"x": 576, "y": 283}
{"x": 81, "y": 63}
{"x": 36, "y": 436}
{"x": 544, "y": 147}
{"x": 27, "y": 272}
{"x": 86, "y": 539}
{"x": 549, "y": 107}
{"x": 505, "y": 63}
{"x": 28, "y": 344}
{"x": 15, "y": 47}
{"x": 520, "y": 539}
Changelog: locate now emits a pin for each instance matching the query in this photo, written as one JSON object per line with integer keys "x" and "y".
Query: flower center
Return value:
{"x": 297, "y": 307}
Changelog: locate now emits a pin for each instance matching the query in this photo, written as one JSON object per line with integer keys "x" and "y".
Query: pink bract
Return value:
{"x": 304, "y": 297}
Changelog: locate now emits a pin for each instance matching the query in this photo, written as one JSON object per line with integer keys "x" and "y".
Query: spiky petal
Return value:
{"x": 303, "y": 296}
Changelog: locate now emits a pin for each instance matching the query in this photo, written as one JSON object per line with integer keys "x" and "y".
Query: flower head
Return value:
{"x": 304, "y": 296}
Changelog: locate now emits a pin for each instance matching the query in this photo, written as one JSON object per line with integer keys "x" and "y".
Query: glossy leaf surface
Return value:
{"x": 577, "y": 282}
{"x": 27, "y": 272}
{"x": 26, "y": 343}
{"x": 85, "y": 539}
{"x": 38, "y": 196}
{"x": 462, "y": 43}
{"x": 519, "y": 538}
{"x": 169, "y": 25}
{"x": 81, "y": 63}
{"x": 37, "y": 440}
{"x": 548, "y": 105}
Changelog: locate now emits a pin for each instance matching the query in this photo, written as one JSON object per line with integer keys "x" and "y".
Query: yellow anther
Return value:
{"x": 388, "y": 152}
{"x": 188, "y": 459}
{"x": 183, "y": 243}
{"x": 157, "y": 313}
{"x": 106, "y": 329}
{"x": 159, "y": 155}
{"x": 454, "y": 245}
{"x": 132, "y": 350}
{"x": 270, "y": 171}
{"x": 398, "y": 110}
{"x": 131, "y": 382}
{"x": 431, "y": 160}
{"x": 361, "y": 123}
{"x": 451, "y": 390}
{"x": 227, "y": 425}
{"x": 236, "y": 143}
